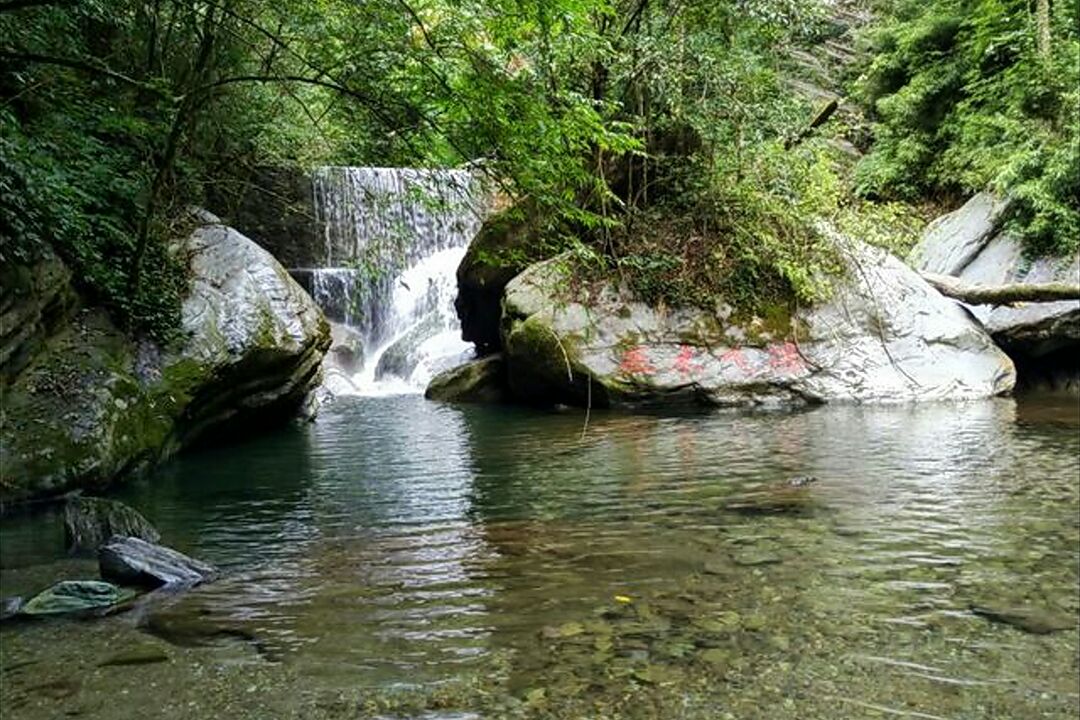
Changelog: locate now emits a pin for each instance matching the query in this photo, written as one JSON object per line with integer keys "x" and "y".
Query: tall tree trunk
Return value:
{"x": 1042, "y": 27}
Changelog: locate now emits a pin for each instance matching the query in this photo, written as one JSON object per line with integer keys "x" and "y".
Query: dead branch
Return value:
{"x": 1005, "y": 294}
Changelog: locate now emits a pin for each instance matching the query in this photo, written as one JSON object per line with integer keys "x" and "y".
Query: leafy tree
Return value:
{"x": 649, "y": 134}
{"x": 976, "y": 94}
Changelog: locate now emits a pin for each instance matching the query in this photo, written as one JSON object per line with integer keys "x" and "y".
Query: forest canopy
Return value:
{"x": 660, "y": 139}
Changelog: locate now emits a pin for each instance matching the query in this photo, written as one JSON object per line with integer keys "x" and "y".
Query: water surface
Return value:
{"x": 402, "y": 559}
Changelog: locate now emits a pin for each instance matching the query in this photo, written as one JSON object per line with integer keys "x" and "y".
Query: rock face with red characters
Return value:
{"x": 883, "y": 336}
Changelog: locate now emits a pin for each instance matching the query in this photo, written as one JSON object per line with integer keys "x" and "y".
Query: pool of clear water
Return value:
{"x": 404, "y": 559}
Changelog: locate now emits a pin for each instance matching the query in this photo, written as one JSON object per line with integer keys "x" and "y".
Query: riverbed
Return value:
{"x": 402, "y": 559}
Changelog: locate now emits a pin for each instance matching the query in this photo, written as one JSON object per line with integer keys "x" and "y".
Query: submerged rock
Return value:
{"x": 73, "y": 596}
{"x": 90, "y": 521}
{"x": 131, "y": 561}
{"x": 478, "y": 381}
{"x": 144, "y": 654}
{"x": 196, "y": 623}
{"x": 10, "y": 607}
{"x": 92, "y": 404}
{"x": 1030, "y": 619}
{"x": 884, "y": 336}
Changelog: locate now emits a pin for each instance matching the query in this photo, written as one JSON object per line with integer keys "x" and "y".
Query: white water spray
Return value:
{"x": 394, "y": 238}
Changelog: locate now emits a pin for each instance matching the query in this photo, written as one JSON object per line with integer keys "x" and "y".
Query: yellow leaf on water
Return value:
{"x": 622, "y": 599}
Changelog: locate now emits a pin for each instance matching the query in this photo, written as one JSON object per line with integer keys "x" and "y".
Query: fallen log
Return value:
{"x": 820, "y": 119}
{"x": 1006, "y": 294}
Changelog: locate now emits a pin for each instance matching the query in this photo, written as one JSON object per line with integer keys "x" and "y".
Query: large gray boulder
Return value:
{"x": 952, "y": 241}
{"x": 93, "y": 405}
{"x": 971, "y": 244}
{"x": 884, "y": 336}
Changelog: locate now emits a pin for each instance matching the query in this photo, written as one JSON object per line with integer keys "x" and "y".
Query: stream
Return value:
{"x": 402, "y": 559}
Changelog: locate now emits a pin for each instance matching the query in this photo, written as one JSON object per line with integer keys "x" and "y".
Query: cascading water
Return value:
{"x": 394, "y": 238}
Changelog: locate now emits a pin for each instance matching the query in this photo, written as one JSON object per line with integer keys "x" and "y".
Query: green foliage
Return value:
{"x": 966, "y": 99}
{"x": 748, "y": 239}
{"x": 611, "y": 116}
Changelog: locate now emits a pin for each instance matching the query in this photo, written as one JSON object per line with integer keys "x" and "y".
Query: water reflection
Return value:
{"x": 465, "y": 558}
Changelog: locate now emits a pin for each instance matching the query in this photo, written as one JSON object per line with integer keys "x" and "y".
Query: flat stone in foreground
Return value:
{"x": 131, "y": 561}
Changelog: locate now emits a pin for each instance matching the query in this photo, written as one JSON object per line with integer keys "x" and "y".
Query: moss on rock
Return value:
{"x": 479, "y": 381}
{"x": 93, "y": 404}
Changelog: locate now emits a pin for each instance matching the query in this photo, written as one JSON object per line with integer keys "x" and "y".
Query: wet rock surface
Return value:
{"x": 478, "y": 381}
{"x": 76, "y": 596}
{"x": 131, "y": 561}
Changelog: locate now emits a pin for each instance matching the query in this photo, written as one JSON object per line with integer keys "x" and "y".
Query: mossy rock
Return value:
{"x": 76, "y": 596}
{"x": 93, "y": 404}
{"x": 479, "y": 381}
{"x": 508, "y": 242}
{"x": 90, "y": 521}
{"x": 883, "y": 336}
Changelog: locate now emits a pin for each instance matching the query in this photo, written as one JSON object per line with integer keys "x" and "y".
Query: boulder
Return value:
{"x": 1033, "y": 329}
{"x": 506, "y": 244}
{"x": 76, "y": 596}
{"x": 131, "y": 561}
{"x": 402, "y": 357}
{"x": 346, "y": 349}
{"x": 478, "y": 381}
{"x": 89, "y": 522}
{"x": 979, "y": 251}
{"x": 952, "y": 241}
{"x": 884, "y": 336}
{"x": 94, "y": 405}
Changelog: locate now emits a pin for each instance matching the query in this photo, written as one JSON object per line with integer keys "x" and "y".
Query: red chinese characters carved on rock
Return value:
{"x": 735, "y": 357}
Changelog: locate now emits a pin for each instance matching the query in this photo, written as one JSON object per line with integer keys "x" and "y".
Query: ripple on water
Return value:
{"x": 399, "y": 558}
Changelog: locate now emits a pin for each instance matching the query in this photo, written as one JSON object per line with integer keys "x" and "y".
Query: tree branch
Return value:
{"x": 79, "y": 65}
{"x": 1005, "y": 294}
{"x": 20, "y": 4}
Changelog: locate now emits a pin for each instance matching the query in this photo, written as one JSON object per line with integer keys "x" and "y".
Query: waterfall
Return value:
{"x": 393, "y": 240}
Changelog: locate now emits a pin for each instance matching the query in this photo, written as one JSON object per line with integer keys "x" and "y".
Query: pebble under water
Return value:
{"x": 402, "y": 559}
